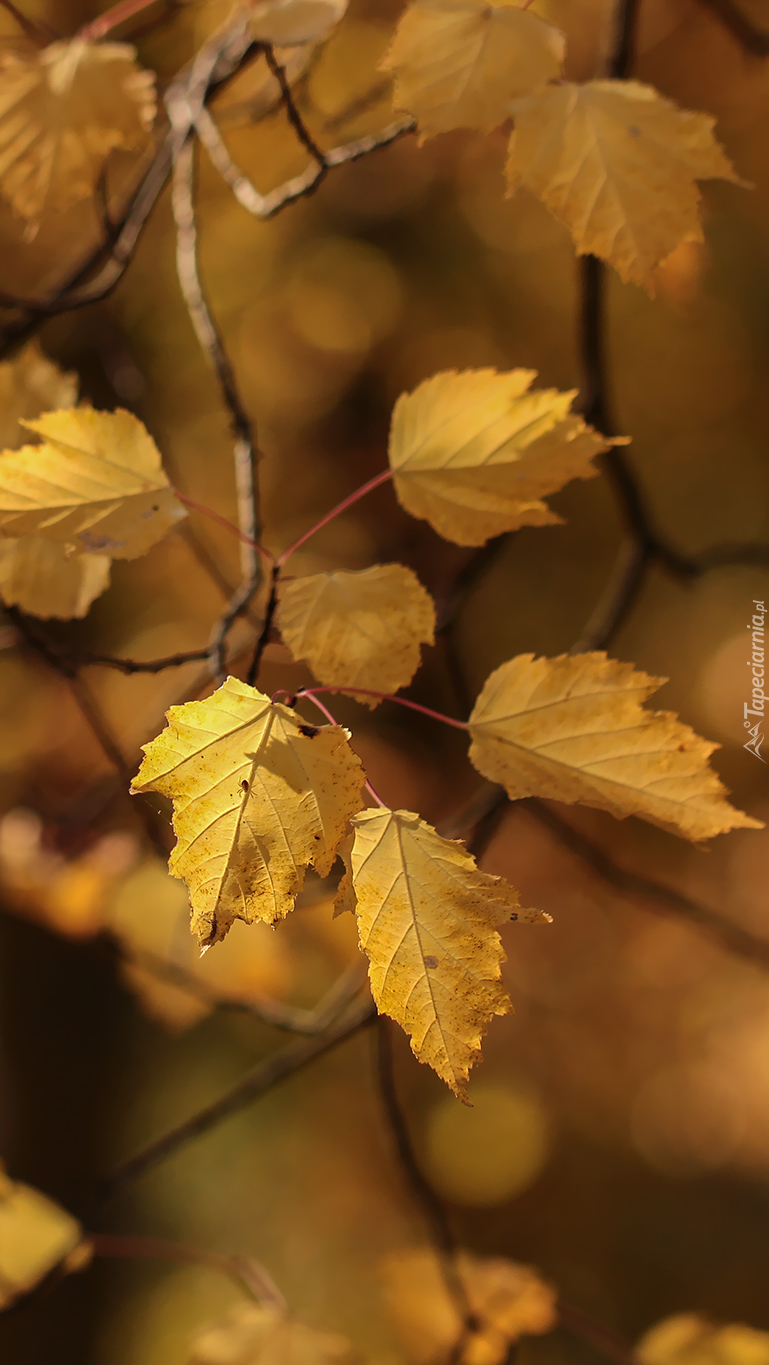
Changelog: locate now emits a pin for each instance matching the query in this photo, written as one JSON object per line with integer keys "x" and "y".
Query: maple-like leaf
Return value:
{"x": 290, "y": 22}
{"x": 62, "y": 111}
{"x": 358, "y": 629}
{"x": 573, "y": 729}
{"x": 507, "y": 1299}
{"x": 35, "y": 1235}
{"x": 31, "y": 384}
{"x": 427, "y": 920}
{"x": 618, "y": 164}
{"x": 255, "y": 1334}
{"x": 96, "y": 484}
{"x": 688, "y": 1339}
{"x": 458, "y": 63}
{"x": 258, "y": 797}
{"x": 37, "y": 575}
{"x": 474, "y": 453}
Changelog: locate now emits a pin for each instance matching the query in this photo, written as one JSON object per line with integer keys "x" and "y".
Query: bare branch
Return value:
{"x": 754, "y": 40}
{"x": 256, "y": 1082}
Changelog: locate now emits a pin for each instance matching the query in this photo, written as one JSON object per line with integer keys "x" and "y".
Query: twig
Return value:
{"x": 754, "y": 40}
{"x": 247, "y": 1273}
{"x": 294, "y": 117}
{"x": 596, "y": 1334}
{"x": 37, "y": 33}
{"x": 434, "y": 1213}
{"x": 264, "y": 634}
{"x": 256, "y": 1082}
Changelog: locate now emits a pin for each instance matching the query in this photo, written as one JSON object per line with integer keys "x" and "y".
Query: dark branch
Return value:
{"x": 264, "y": 635}
{"x": 257, "y": 1082}
{"x": 294, "y": 117}
{"x": 754, "y": 40}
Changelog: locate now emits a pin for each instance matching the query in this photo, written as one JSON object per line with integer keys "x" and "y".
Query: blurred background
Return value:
{"x": 619, "y": 1134}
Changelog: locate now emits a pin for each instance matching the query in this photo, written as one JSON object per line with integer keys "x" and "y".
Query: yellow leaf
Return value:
{"x": 427, "y": 920}
{"x": 30, "y": 384}
{"x": 290, "y": 22}
{"x": 149, "y": 914}
{"x": 687, "y": 1339}
{"x": 35, "y": 1235}
{"x": 573, "y": 729}
{"x": 359, "y": 629}
{"x": 62, "y": 111}
{"x": 96, "y": 484}
{"x": 509, "y": 1301}
{"x": 258, "y": 797}
{"x": 36, "y": 575}
{"x": 474, "y": 453}
{"x": 618, "y": 164}
{"x": 252, "y": 1334}
{"x": 458, "y": 63}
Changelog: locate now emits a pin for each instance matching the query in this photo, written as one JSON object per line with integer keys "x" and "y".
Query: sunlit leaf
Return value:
{"x": 36, "y": 575}
{"x": 475, "y": 453}
{"x": 258, "y": 797}
{"x": 573, "y": 729}
{"x": 427, "y": 921}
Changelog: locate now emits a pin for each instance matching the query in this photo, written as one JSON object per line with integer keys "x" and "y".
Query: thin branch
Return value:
{"x": 432, "y": 1208}
{"x": 294, "y": 117}
{"x": 264, "y": 634}
{"x": 336, "y": 511}
{"x": 619, "y": 593}
{"x": 256, "y": 1082}
{"x": 247, "y": 1273}
{"x": 596, "y": 1334}
{"x": 754, "y": 40}
{"x": 38, "y": 33}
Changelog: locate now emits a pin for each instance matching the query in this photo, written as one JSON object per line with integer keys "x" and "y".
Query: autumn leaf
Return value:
{"x": 253, "y": 1334}
{"x": 688, "y": 1339}
{"x": 31, "y": 384}
{"x": 62, "y": 111}
{"x": 35, "y": 1235}
{"x": 258, "y": 797}
{"x": 96, "y": 484}
{"x": 360, "y": 628}
{"x": 508, "y": 1300}
{"x": 618, "y": 164}
{"x": 458, "y": 63}
{"x": 36, "y": 575}
{"x": 427, "y": 920}
{"x": 475, "y": 452}
{"x": 290, "y": 22}
{"x": 573, "y": 729}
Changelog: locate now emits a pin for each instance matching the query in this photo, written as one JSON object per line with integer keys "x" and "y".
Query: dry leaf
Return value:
{"x": 31, "y": 384}
{"x": 35, "y": 1235}
{"x": 96, "y": 484}
{"x": 618, "y": 164}
{"x": 36, "y": 575}
{"x": 258, "y": 797}
{"x": 252, "y": 1334}
{"x": 292, "y": 22}
{"x": 149, "y": 914}
{"x": 573, "y": 729}
{"x": 687, "y": 1339}
{"x": 458, "y": 63}
{"x": 509, "y": 1301}
{"x": 474, "y": 453}
{"x": 62, "y": 111}
{"x": 359, "y": 629}
{"x": 427, "y": 920}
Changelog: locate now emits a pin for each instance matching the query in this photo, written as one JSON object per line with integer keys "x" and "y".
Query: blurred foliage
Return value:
{"x": 623, "y": 1113}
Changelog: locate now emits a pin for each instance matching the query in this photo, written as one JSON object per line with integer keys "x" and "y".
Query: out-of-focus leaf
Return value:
{"x": 688, "y": 1339}
{"x": 62, "y": 111}
{"x": 31, "y": 384}
{"x": 35, "y": 1235}
{"x": 509, "y": 1301}
{"x": 458, "y": 63}
{"x": 256, "y": 1335}
{"x": 295, "y": 21}
{"x": 37, "y": 575}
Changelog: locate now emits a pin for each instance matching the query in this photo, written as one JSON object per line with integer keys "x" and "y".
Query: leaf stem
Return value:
{"x": 342, "y": 506}
{"x": 222, "y": 521}
{"x": 247, "y": 1273}
{"x": 388, "y": 696}
{"x": 324, "y": 709}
